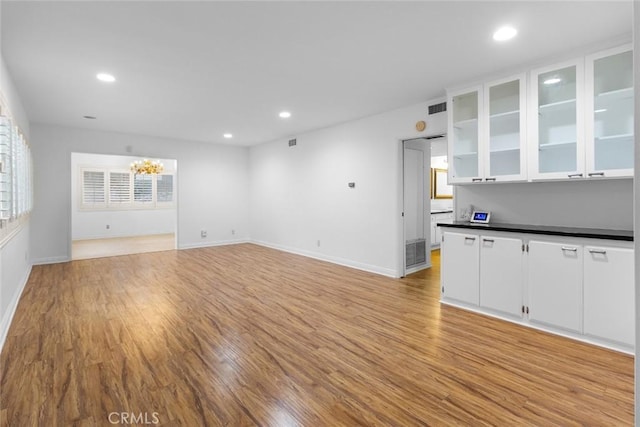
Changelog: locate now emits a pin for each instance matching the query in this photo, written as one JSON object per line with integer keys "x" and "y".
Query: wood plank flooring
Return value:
{"x": 245, "y": 335}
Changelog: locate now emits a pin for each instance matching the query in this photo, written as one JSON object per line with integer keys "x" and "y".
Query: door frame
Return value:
{"x": 402, "y": 246}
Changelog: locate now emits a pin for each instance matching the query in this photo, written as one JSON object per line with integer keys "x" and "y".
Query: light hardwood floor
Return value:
{"x": 116, "y": 246}
{"x": 245, "y": 335}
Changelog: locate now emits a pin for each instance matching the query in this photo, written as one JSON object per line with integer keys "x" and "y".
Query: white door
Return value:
{"x": 501, "y": 274}
{"x": 556, "y": 137}
{"x": 555, "y": 284}
{"x": 609, "y": 309}
{"x": 505, "y": 115}
{"x": 416, "y": 204}
{"x": 465, "y": 129}
{"x": 460, "y": 267}
{"x": 609, "y": 113}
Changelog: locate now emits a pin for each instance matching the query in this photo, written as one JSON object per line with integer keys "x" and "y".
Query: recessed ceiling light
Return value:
{"x": 104, "y": 77}
{"x": 552, "y": 81}
{"x": 504, "y": 33}
{"x": 602, "y": 110}
{"x": 285, "y": 114}
{"x": 228, "y": 135}
{"x": 89, "y": 117}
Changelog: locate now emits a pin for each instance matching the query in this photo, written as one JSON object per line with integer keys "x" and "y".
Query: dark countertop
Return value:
{"x": 440, "y": 211}
{"x": 591, "y": 233}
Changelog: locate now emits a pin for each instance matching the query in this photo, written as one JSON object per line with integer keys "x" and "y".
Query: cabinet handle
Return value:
{"x": 596, "y": 174}
{"x": 470, "y": 238}
{"x": 476, "y": 179}
{"x": 488, "y": 240}
{"x": 575, "y": 175}
{"x": 568, "y": 249}
{"x": 598, "y": 251}
{"x": 490, "y": 179}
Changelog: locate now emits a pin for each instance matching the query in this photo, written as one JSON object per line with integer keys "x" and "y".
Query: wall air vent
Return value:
{"x": 292, "y": 142}
{"x": 437, "y": 108}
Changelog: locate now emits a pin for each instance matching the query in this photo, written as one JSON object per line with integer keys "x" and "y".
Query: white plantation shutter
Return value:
{"x": 164, "y": 189}
{"x": 93, "y": 187}
{"x": 143, "y": 188}
{"x": 119, "y": 188}
{"x": 6, "y": 170}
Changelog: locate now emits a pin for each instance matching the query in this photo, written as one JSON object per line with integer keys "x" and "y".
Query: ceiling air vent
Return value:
{"x": 292, "y": 142}
{"x": 437, "y": 108}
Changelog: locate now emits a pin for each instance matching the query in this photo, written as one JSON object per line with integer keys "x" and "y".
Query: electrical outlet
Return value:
{"x": 108, "y": 227}
{"x": 318, "y": 243}
{"x": 233, "y": 232}
{"x": 203, "y": 233}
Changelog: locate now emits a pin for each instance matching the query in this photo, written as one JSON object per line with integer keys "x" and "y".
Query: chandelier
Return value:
{"x": 147, "y": 167}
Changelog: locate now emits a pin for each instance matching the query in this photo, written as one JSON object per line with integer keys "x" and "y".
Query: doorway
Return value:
{"x": 117, "y": 212}
{"x": 441, "y": 192}
{"x": 416, "y": 183}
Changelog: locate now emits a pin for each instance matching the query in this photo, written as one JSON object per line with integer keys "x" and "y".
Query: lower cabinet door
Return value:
{"x": 459, "y": 264}
{"x": 555, "y": 285}
{"x": 609, "y": 308}
{"x": 501, "y": 274}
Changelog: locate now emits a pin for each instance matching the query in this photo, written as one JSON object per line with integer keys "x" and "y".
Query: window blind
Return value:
{"x": 93, "y": 187}
{"x": 120, "y": 187}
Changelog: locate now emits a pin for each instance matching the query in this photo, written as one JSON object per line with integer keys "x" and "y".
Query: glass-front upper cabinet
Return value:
{"x": 609, "y": 113}
{"x": 556, "y": 148}
{"x": 505, "y": 156}
{"x": 464, "y": 126}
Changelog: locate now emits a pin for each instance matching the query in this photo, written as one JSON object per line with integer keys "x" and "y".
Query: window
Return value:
{"x": 143, "y": 188}
{"x": 15, "y": 172}
{"x": 93, "y": 187}
{"x": 164, "y": 185}
{"x": 6, "y": 175}
{"x": 119, "y": 189}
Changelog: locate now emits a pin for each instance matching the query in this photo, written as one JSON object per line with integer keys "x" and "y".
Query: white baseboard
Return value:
{"x": 50, "y": 260}
{"x": 211, "y": 244}
{"x": 5, "y": 323}
{"x": 332, "y": 259}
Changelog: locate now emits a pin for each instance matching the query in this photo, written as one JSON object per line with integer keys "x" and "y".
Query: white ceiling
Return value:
{"x": 195, "y": 70}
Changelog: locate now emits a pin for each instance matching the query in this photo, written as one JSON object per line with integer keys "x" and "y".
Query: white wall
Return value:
{"x": 592, "y": 204}
{"x": 92, "y": 224}
{"x": 299, "y": 195}
{"x": 14, "y": 252}
{"x": 213, "y": 188}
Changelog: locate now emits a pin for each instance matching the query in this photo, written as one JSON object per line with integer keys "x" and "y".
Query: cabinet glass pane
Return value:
{"x": 557, "y": 133}
{"x": 613, "y": 112}
{"x": 465, "y": 138}
{"x": 504, "y": 129}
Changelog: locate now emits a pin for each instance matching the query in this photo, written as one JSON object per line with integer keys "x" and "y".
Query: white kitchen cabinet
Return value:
{"x": 436, "y": 232}
{"x": 555, "y": 284}
{"x": 460, "y": 267}
{"x": 609, "y": 308}
{"x": 464, "y": 127}
{"x": 501, "y": 274}
{"x": 487, "y": 123}
{"x": 609, "y": 107}
{"x": 504, "y": 146}
{"x": 581, "y": 124}
{"x": 556, "y": 121}
{"x": 575, "y": 121}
